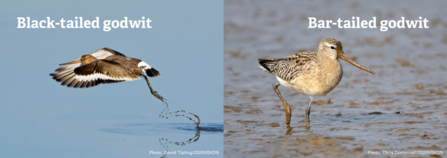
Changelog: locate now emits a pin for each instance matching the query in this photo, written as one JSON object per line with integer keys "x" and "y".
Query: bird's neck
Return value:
{"x": 331, "y": 66}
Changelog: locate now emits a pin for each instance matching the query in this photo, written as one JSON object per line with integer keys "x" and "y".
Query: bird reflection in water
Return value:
{"x": 165, "y": 142}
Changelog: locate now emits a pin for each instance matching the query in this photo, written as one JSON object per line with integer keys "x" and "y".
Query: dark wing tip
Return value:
{"x": 152, "y": 72}
{"x": 112, "y": 51}
{"x": 264, "y": 62}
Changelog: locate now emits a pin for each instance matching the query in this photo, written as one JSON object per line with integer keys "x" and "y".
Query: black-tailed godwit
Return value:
{"x": 104, "y": 66}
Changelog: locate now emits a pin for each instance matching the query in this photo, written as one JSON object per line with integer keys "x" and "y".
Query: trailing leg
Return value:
{"x": 152, "y": 91}
{"x": 287, "y": 108}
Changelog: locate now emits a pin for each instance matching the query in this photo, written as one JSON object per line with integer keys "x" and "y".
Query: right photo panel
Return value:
{"x": 335, "y": 78}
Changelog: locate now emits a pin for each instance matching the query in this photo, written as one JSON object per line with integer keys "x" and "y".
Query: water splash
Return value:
{"x": 181, "y": 113}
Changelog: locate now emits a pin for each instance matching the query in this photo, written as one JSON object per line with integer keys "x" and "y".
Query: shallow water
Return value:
{"x": 402, "y": 107}
{"x": 172, "y": 136}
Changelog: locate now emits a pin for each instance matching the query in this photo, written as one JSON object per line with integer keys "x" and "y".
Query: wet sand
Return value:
{"x": 403, "y": 107}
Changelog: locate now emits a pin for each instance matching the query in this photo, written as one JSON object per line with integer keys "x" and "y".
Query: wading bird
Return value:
{"x": 311, "y": 73}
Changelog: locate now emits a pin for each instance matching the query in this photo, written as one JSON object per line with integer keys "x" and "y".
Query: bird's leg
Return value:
{"x": 152, "y": 91}
{"x": 284, "y": 103}
{"x": 289, "y": 130}
{"x": 308, "y": 112}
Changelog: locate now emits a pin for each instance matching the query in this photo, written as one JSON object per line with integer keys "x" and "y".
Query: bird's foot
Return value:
{"x": 306, "y": 127}
{"x": 285, "y": 124}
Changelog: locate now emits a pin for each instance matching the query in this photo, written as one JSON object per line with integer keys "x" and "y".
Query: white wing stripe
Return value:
{"x": 95, "y": 76}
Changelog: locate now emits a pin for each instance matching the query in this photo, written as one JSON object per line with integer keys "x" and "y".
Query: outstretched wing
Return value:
{"x": 99, "y": 54}
{"x": 97, "y": 72}
{"x": 105, "y": 52}
{"x": 290, "y": 67}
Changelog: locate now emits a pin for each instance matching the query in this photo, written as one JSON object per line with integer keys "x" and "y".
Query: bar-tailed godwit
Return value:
{"x": 311, "y": 73}
{"x": 104, "y": 66}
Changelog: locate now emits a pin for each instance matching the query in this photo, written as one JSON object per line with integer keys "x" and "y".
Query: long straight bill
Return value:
{"x": 349, "y": 60}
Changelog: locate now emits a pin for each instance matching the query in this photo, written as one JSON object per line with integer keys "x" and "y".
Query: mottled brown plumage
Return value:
{"x": 104, "y": 66}
{"x": 290, "y": 67}
{"x": 311, "y": 73}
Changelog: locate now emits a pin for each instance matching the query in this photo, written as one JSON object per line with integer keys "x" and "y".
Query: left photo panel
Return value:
{"x": 111, "y": 79}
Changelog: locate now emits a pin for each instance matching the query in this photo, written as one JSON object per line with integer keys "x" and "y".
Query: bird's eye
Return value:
{"x": 332, "y": 47}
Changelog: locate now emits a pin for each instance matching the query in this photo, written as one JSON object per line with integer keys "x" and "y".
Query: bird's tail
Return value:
{"x": 151, "y": 72}
{"x": 268, "y": 64}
